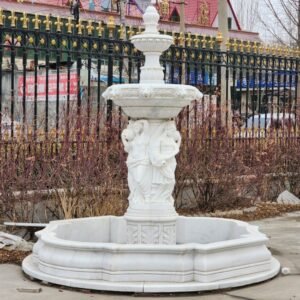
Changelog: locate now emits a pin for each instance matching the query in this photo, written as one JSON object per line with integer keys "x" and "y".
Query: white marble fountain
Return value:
{"x": 151, "y": 248}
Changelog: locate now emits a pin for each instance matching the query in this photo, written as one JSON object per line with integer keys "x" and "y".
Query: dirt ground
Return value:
{"x": 12, "y": 256}
{"x": 260, "y": 211}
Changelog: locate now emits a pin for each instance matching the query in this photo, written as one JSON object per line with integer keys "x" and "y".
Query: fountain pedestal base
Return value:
{"x": 151, "y": 231}
{"x": 151, "y": 223}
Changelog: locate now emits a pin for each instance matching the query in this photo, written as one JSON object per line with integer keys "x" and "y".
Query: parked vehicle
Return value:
{"x": 264, "y": 124}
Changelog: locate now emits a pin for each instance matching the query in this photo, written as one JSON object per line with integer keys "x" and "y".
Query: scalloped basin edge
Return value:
{"x": 210, "y": 253}
{"x": 152, "y": 101}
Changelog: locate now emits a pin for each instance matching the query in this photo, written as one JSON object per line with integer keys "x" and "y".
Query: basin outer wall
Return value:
{"x": 181, "y": 263}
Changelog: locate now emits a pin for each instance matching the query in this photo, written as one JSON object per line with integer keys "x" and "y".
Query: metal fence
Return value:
{"x": 53, "y": 72}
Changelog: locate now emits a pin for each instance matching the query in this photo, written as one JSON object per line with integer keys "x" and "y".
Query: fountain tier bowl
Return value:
{"x": 152, "y": 42}
{"x": 152, "y": 101}
{"x": 209, "y": 253}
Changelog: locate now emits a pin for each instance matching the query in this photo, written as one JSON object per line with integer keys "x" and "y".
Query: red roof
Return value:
{"x": 192, "y": 10}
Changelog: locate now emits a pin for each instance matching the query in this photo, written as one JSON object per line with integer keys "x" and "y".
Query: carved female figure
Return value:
{"x": 164, "y": 145}
{"x": 136, "y": 140}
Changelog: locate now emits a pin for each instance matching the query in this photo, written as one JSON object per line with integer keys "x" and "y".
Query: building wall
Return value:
{"x": 230, "y": 15}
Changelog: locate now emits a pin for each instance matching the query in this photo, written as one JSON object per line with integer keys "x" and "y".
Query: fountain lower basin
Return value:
{"x": 210, "y": 253}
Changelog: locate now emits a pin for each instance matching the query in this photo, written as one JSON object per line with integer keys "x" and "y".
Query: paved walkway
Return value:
{"x": 284, "y": 234}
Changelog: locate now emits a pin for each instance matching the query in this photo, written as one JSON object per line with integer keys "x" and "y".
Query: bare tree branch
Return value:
{"x": 289, "y": 13}
{"x": 271, "y": 31}
{"x": 247, "y": 12}
{"x": 280, "y": 20}
{"x": 286, "y": 13}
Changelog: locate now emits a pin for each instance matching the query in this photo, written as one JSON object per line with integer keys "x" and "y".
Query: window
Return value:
{"x": 229, "y": 23}
{"x": 175, "y": 16}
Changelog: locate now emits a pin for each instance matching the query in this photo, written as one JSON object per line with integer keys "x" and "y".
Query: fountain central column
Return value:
{"x": 151, "y": 139}
{"x": 151, "y": 146}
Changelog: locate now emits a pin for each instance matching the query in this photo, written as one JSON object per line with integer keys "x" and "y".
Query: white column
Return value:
{"x": 223, "y": 28}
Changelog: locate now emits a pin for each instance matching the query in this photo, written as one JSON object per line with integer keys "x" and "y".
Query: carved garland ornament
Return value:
{"x": 204, "y": 12}
{"x": 164, "y": 8}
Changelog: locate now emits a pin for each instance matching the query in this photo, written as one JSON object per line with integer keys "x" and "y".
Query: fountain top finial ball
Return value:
{"x": 151, "y": 18}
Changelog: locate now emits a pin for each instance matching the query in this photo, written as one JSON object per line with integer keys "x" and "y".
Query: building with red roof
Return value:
{"x": 203, "y": 12}
{"x": 201, "y": 16}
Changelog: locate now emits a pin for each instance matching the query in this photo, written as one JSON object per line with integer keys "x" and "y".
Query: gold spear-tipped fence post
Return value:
{"x": 235, "y": 45}
{"x": 13, "y": 19}
{"x": 228, "y": 45}
{"x": 255, "y": 47}
{"x": 189, "y": 40}
{"x": 100, "y": 29}
{"x": 111, "y": 25}
{"x": 24, "y": 20}
{"x": 122, "y": 32}
{"x": 211, "y": 42}
{"x": 196, "y": 41}
{"x": 58, "y": 24}
{"x": 90, "y": 28}
{"x": 241, "y": 46}
{"x": 248, "y": 47}
{"x": 219, "y": 38}
{"x": 181, "y": 39}
{"x": 2, "y": 17}
{"x": 130, "y": 32}
{"x": 204, "y": 41}
{"x": 69, "y": 25}
{"x": 47, "y": 23}
{"x": 36, "y": 22}
{"x": 79, "y": 27}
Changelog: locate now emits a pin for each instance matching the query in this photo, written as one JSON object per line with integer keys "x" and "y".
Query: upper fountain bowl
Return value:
{"x": 152, "y": 42}
{"x": 152, "y": 98}
{"x": 152, "y": 101}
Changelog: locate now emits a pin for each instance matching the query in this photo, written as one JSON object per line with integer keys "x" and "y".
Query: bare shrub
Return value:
{"x": 208, "y": 173}
{"x": 83, "y": 173}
